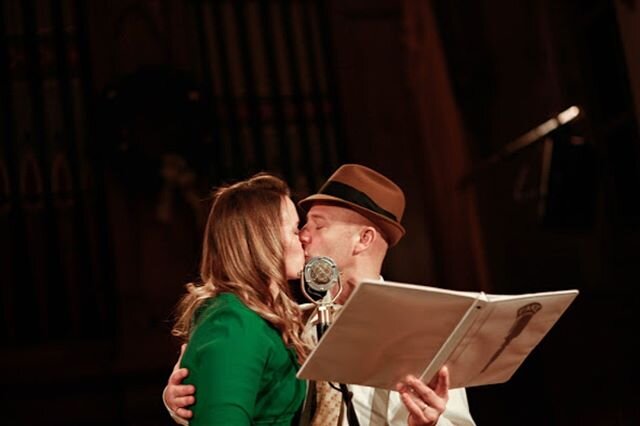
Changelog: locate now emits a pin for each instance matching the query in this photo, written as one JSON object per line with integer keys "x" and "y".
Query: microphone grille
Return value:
{"x": 321, "y": 273}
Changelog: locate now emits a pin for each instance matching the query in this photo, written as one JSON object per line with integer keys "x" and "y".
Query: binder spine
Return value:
{"x": 454, "y": 339}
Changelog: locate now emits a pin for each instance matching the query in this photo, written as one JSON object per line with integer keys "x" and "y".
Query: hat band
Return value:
{"x": 349, "y": 193}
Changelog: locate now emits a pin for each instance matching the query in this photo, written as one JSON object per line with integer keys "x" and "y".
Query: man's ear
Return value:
{"x": 366, "y": 237}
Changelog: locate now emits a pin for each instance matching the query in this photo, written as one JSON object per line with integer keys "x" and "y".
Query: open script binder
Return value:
{"x": 387, "y": 330}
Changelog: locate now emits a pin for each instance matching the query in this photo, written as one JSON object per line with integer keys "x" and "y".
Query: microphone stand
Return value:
{"x": 324, "y": 318}
{"x": 324, "y": 306}
{"x": 523, "y": 141}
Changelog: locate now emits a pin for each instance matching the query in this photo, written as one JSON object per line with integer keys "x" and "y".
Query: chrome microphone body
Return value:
{"x": 319, "y": 276}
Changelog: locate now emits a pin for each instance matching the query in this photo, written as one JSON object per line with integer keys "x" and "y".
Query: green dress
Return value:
{"x": 242, "y": 371}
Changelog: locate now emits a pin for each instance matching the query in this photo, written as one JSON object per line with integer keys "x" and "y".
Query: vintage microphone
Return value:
{"x": 318, "y": 277}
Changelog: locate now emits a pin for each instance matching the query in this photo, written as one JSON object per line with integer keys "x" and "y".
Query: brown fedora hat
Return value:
{"x": 367, "y": 192}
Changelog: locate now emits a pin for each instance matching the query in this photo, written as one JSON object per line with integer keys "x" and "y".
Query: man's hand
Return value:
{"x": 425, "y": 403}
{"x": 178, "y": 396}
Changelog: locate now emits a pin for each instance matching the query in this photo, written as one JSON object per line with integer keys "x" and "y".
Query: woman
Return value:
{"x": 242, "y": 326}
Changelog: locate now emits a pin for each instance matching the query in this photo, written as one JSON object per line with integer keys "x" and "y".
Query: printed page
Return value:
{"x": 504, "y": 335}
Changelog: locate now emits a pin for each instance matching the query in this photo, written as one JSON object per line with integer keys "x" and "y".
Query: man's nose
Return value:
{"x": 304, "y": 236}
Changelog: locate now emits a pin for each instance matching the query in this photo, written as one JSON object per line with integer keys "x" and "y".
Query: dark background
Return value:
{"x": 118, "y": 117}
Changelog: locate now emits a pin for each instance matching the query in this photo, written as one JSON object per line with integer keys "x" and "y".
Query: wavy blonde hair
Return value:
{"x": 243, "y": 253}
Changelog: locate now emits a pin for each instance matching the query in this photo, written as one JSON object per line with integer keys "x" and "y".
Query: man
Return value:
{"x": 354, "y": 219}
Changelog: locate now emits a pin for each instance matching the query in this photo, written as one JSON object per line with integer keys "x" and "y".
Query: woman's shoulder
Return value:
{"x": 227, "y": 328}
{"x": 227, "y": 308}
{"x": 226, "y": 322}
{"x": 226, "y": 302}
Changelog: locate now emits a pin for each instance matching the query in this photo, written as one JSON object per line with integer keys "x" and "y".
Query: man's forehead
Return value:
{"x": 328, "y": 212}
{"x": 315, "y": 213}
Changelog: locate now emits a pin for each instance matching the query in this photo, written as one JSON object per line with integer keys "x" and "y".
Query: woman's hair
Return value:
{"x": 243, "y": 253}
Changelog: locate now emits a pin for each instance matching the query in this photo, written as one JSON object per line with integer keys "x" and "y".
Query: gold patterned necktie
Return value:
{"x": 325, "y": 406}
{"x": 329, "y": 405}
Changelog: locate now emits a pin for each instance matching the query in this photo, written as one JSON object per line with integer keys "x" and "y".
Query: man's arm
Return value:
{"x": 457, "y": 412}
{"x": 176, "y": 396}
